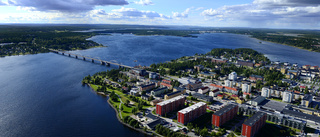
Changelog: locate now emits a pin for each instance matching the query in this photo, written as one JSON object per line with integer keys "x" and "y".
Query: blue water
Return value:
{"x": 42, "y": 95}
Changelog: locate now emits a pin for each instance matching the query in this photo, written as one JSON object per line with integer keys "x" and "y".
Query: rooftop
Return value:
{"x": 201, "y": 96}
{"x": 256, "y": 117}
{"x": 170, "y": 100}
{"x": 307, "y": 97}
{"x": 160, "y": 89}
{"x": 173, "y": 93}
{"x": 191, "y": 108}
{"x": 301, "y": 115}
{"x": 225, "y": 109}
{"x": 273, "y": 105}
{"x": 258, "y": 99}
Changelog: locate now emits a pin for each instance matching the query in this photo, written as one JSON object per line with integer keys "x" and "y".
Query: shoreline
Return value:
{"x": 260, "y": 40}
{"x": 117, "y": 114}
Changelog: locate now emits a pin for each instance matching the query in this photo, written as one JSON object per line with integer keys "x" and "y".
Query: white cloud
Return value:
{"x": 269, "y": 12}
{"x": 184, "y": 14}
{"x": 65, "y": 5}
{"x": 144, "y": 2}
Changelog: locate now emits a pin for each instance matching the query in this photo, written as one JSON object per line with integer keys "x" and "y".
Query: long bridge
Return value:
{"x": 78, "y": 56}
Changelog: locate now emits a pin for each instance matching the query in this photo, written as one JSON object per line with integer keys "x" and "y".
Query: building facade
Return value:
{"x": 246, "y": 88}
{"x": 232, "y": 76}
{"x": 190, "y": 113}
{"x": 266, "y": 92}
{"x": 287, "y": 96}
{"x": 170, "y": 105}
{"x": 254, "y": 124}
{"x": 225, "y": 114}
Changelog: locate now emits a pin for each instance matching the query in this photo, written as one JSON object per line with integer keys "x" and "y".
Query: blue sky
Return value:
{"x": 299, "y": 14}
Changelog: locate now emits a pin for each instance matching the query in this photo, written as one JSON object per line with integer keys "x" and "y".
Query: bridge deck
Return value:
{"x": 90, "y": 58}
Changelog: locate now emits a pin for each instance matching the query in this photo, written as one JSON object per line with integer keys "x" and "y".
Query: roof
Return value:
{"x": 193, "y": 107}
{"x": 214, "y": 91}
{"x": 152, "y": 84}
{"x": 307, "y": 97}
{"x": 204, "y": 88}
{"x": 230, "y": 88}
{"x": 258, "y": 99}
{"x": 165, "y": 84}
{"x": 225, "y": 109}
{"x": 202, "y": 97}
{"x": 301, "y": 115}
{"x": 160, "y": 89}
{"x": 173, "y": 93}
{"x": 214, "y": 85}
{"x": 165, "y": 80}
{"x": 256, "y": 117}
{"x": 170, "y": 100}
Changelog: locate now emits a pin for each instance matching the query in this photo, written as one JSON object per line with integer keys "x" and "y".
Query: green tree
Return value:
{"x": 189, "y": 126}
{"x": 204, "y": 132}
{"x": 306, "y": 90}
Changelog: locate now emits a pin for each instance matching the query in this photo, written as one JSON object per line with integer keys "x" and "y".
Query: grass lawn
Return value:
{"x": 275, "y": 99}
{"x": 126, "y": 110}
{"x": 95, "y": 87}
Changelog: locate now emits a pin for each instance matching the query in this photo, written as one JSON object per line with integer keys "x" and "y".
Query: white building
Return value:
{"x": 266, "y": 92}
{"x": 287, "y": 96}
{"x": 228, "y": 83}
{"x": 214, "y": 93}
{"x": 185, "y": 80}
{"x": 233, "y": 76}
{"x": 246, "y": 88}
{"x": 203, "y": 90}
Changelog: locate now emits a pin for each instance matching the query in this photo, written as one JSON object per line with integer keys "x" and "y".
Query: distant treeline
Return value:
{"x": 17, "y": 40}
{"x": 305, "y": 39}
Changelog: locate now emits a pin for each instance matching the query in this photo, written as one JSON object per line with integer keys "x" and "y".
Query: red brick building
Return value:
{"x": 170, "y": 105}
{"x": 215, "y": 60}
{"x": 225, "y": 114}
{"x": 254, "y": 124}
{"x": 166, "y": 83}
{"x": 190, "y": 113}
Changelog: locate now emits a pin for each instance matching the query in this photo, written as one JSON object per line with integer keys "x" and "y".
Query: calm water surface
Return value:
{"x": 42, "y": 95}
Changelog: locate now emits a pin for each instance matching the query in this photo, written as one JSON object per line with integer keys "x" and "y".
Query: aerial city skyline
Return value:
{"x": 295, "y": 14}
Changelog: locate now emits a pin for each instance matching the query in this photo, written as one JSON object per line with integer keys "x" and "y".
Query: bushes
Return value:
{"x": 167, "y": 132}
{"x": 132, "y": 122}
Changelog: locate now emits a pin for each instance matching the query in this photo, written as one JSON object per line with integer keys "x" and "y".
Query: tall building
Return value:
{"x": 170, "y": 105}
{"x": 306, "y": 100}
{"x": 228, "y": 83}
{"x": 225, "y": 114}
{"x": 246, "y": 88}
{"x": 232, "y": 76}
{"x": 254, "y": 124}
{"x": 287, "y": 96}
{"x": 190, "y": 113}
{"x": 265, "y": 92}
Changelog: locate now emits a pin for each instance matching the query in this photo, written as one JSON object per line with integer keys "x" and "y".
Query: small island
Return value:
{"x": 215, "y": 83}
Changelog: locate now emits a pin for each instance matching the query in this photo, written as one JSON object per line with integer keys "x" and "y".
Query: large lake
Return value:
{"x": 42, "y": 95}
